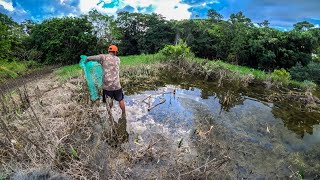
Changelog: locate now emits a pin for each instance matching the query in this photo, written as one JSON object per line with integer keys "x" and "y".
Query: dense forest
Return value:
{"x": 237, "y": 40}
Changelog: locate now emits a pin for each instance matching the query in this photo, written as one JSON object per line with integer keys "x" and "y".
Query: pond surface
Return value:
{"x": 264, "y": 140}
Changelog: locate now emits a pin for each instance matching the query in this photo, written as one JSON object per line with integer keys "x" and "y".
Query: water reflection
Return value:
{"x": 229, "y": 100}
{"x": 249, "y": 128}
{"x": 230, "y": 95}
{"x": 296, "y": 119}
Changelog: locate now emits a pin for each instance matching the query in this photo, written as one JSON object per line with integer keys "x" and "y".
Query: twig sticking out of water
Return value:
{"x": 163, "y": 101}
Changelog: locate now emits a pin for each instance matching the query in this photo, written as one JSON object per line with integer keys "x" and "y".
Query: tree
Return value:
{"x": 303, "y": 26}
{"x": 63, "y": 40}
{"x": 240, "y": 18}
{"x": 264, "y": 24}
{"x": 159, "y": 33}
{"x": 5, "y": 43}
{"x": 143, "y": 33}
{"x": 10, "y": 36}
{"x": 104, "y": 28}
{"x": 131, "y": 28}
{"x": 214, "y": 15}
{"x": 28, "y": 26}
{"x": 4, "y": 19}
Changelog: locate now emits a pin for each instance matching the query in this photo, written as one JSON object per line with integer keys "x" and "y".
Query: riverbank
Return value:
{"x": 16, "y": 69}
{"x": 184, "y": 128}
{"x": 180, "y": 123}
{"x": 209, "y": 69}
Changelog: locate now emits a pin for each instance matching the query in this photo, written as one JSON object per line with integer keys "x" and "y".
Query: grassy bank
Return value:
{"x": 13, "y": 69}
{"x": 66, "y": 72}
{"x": 241, "y": 72}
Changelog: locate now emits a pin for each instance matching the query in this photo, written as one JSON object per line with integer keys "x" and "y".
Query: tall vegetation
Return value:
{"x": 236, "y": 40}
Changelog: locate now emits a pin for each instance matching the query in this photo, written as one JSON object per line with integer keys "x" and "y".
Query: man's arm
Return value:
{"x": 94, "y": 58}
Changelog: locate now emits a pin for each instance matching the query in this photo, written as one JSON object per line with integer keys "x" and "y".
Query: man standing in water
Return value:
{"x": 111, "y": 80}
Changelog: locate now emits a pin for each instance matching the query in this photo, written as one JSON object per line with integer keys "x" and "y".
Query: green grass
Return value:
{"x": 66, "y": 72}
{"x": 242, "y": 70}
{"x": 14, "y": 69}
{"x": 139, "y": 59}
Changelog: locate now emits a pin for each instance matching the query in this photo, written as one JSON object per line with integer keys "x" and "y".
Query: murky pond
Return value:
{"x": 263, "y": 140}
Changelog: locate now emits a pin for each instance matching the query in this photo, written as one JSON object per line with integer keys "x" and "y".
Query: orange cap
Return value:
{"x": 113, "y": 48}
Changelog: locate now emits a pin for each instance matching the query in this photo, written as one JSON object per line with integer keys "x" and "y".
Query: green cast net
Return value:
{"x": 93, "y": 75}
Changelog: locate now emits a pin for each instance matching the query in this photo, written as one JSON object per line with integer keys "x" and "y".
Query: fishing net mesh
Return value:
{"x": 93, "y": 75}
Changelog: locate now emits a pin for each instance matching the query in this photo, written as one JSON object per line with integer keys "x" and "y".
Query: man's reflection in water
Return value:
{"x": 117, "y": 133}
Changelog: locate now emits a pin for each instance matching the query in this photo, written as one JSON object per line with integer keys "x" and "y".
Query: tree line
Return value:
{"x": 236, "y": 40}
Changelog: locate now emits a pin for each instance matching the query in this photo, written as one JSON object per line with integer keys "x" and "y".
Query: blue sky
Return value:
{"x": 282, "y": 14}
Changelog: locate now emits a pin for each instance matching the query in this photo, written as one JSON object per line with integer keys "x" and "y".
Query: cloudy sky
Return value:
{"x": 282, "y": 14}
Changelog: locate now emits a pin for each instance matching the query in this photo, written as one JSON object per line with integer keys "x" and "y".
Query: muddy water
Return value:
{"x": 263, "y": 140}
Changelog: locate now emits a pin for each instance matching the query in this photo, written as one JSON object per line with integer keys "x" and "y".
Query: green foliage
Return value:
{"x": 74, "y": 153}
{"x": 5, "y": 43}
{"x": 316, "y": 56}
{"x": 63, "y": 40}
{"x": 213, "y": 15}
{"x": 240, "y": 70}
{"x": 304, "y": 25}
{"x": 237, "y": 40}
{"x": 104, "y": 28}
{"x": 13, "y": 69}
{"x": 177, "y": 52}
{"x": 66, "y": 72}
{"x": 143, "y": 33}
{"x": 310, "y": 72}
{"x": 140, "y": 59}
{"x": 281, "y": 76}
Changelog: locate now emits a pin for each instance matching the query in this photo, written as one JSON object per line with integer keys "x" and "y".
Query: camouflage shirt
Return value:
{"x": 110, "y": 67}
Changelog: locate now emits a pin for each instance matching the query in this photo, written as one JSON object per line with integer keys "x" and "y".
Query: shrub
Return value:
{"x": 281, "y": 76}
{"x": 13, "y": 69}
{"x": 177, "y": 52}
{"x": 310, "y": 72}
{"x": 32, "y": 64}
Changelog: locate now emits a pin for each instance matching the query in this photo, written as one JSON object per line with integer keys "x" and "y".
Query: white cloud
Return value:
{"x": 7, "y": 5}
{"x": 168, "y": 10}
{"x": 171, "y": 9}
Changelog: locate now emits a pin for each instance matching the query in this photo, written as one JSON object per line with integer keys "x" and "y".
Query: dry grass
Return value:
{"x": 52, "y": 128}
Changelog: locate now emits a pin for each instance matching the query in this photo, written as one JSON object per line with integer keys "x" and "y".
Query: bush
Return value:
{"x": 13, "y": 69}
{"x": 177, "y": 52}
{"x": 310, "y": 72}
{"x": 33, "y": 64}
{"x": 281, "y": 76}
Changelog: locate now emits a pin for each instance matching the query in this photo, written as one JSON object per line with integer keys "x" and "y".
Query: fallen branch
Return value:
{"x": 163, "y": 101}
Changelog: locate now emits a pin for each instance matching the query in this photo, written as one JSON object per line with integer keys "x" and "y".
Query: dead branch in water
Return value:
{"x": 163, "y": 101}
